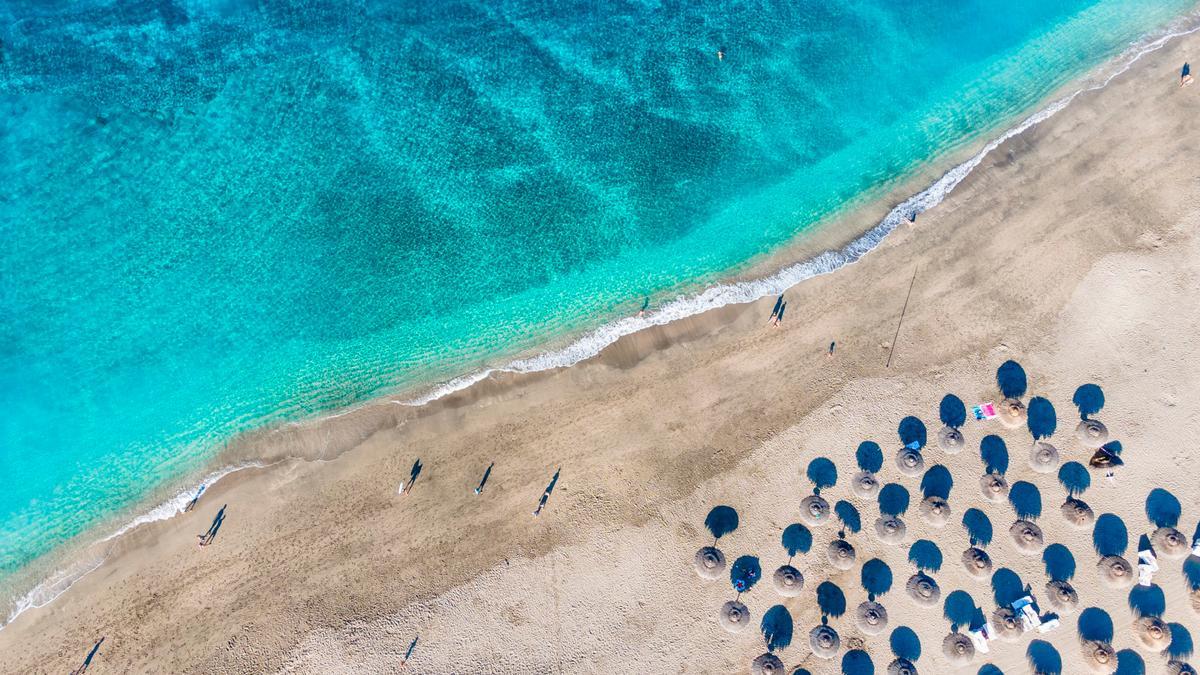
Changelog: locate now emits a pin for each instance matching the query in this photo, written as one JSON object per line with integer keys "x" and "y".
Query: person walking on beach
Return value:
{"x": 773, "y": 319}
{"x": 208, "y": 537}
{"x": 483, "y": 481}
{"x": 87, "y": 662}
{"x": 408, "y": 654}
{"x": 406, "y": 488}
{"x": 645, "y": 306}
{"x": 192, "y": 504}
{"x": 546, "y": 495}
{"x": 1185, "y": 75}
{"x": 829, "y": 354}
{"x": 779, "y": 316}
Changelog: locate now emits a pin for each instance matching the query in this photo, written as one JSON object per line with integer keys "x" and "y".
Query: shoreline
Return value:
{"x": 267, "y": 446}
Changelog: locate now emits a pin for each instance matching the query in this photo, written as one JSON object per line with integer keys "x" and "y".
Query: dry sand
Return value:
{"x": 1073, "y": 250}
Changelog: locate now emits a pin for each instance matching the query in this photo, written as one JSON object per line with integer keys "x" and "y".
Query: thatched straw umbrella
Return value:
{"x": 901, "y": 667}
{"x": 1027, "y": 536}
{"x": 994, "y": 487}
{"x": 1007, "y": 625}
{"x": 709, "y": 562}
{"x": 950, "y": 440}
{"x": 788, "y": 581}
{"x": 1062, "y": 596}
{"x": 1099, "y": 656}
{"x": 824, "y": 641}
{"x": 767, "y": 664}
{"x": 890, "y": 529}
{"x": 734, "y": 616}
{"x": 977, "y": 562}
{"x": 864, "y": 484}
{"x": 1078, "y": 513}
{"x": 1179, "y": 668}
{"x": 871, "y": 617}
{"x": 910, "y": 462}
{"x": 814, "y": 510}
{"x": 923, "y": 589}
{"x": 958, "y": 649}
{"x": 1043, "y": 457}
{"x": 1170, "y": 543}
{"x": 840, "y": 554}
{"x": 1091, "y": 433}
{"x": 935, "y": 511}
{"x": 1115, "y": 571}
{"x": 1152, "y": 633}
{"x": 1012, "y": 413}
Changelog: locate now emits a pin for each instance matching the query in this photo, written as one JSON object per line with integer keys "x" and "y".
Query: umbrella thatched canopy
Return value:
{"x": 1170, "y": 543}
{"x": 910, "y": 462}
{"x": 890, "y": 529}
{"x": 935, "y": 511}
{"x": 950, "y": 440}
{"x": 1062, "y": 596}
{"x": 1152, "y": 633}
{"x": 923, "y": 589}
{"x": 1007, "y": 625}
{"x": 734, "y": 616}
{"x": 864, "y": 484}
{"x": 1043, "y": 457}
{"x": 1012, "y": 413}
{"x": 1179, "y": 668}
{"x": 1027, "y": 536}
{"x": 824, "y": 641}
{"x": 788, "y": 581}
{"x": 958, "y": 649}
{"x": 1091, "y": 433}
{"x": 1078, "y": 513}
{"x": 767, "y": 664}
{"x": 977, "y": 562}
{"x": 1099, "y": 657}
{"x": 814, "y": 510}
{"x": 994, "y": 487}
{"x": 901, "y": 667}
{"x": 872, "y": 617}
{"x": 1115, "y": 571}
{"x": 841, "y": 554}
{"x": 709, "y": 562}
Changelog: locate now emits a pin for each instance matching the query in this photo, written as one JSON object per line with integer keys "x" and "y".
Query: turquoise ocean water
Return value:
{"x": 220, "y": 213}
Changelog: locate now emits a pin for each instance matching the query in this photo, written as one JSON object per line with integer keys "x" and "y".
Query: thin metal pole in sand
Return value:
{"x": 901, "y": 321}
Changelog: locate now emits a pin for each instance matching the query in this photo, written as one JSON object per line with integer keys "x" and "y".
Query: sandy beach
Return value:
{"x": 1072, "y": 250}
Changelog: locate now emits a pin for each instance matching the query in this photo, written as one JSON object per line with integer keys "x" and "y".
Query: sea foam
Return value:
{"x": 714, "y": 297}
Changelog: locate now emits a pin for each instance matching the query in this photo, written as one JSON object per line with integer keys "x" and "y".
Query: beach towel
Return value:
{"x": 984, "y": 411}
{"x": 913, "y": 445}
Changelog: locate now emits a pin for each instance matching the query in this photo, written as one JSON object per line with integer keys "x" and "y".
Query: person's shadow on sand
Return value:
{"x": 208, "y": 537}
{"x": 87, "y": 662}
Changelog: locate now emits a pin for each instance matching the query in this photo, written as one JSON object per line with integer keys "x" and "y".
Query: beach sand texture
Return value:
{"x": 1073, "y": 250}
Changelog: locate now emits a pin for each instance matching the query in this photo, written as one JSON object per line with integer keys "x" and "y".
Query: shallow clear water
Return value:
{"x": 219, "y": 213}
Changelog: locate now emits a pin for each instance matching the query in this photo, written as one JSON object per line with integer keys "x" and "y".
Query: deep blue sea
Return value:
{"x": 217, "y": 214}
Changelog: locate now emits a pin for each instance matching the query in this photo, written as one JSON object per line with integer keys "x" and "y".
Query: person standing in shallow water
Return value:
{"x": 192, "y": 504}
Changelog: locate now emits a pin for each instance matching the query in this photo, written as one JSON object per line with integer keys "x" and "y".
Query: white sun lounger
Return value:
{"x": 1147, "y": 566}
{"x": 1029, "y": 617}
{"x": 980, "y": 636}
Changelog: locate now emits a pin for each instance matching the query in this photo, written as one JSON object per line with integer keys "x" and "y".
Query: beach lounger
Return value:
{"x": 1147, "y": 566}
{"x": 1196, "y": 548}
{"x": 980, "y": 636}
{"x": 1048, "y": 626}
{"x": 1023, "y": 608}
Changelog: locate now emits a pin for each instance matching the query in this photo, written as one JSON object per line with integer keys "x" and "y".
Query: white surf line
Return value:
{"x": 62, "y": 579}
{"x": 591, "y": 343}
